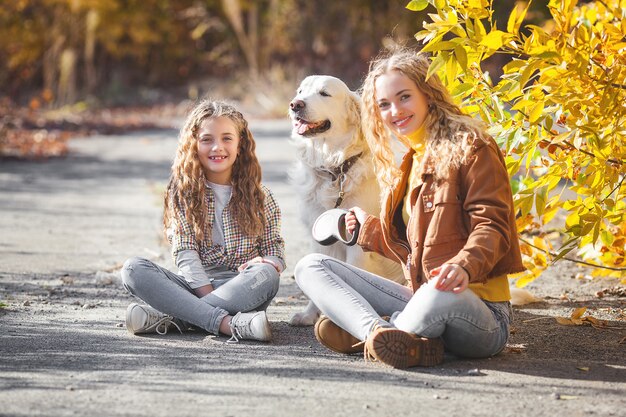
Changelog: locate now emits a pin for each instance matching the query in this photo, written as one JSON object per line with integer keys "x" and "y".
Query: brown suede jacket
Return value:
{"x": 467, "y": 220}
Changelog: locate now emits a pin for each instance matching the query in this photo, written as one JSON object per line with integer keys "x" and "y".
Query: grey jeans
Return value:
{"x": 251, "y": 290}
{"x": 355, "y": 300}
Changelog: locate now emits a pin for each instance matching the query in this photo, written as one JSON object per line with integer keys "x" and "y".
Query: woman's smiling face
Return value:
{"x": 403, "y": 107}
{"x": 218, "y": 145}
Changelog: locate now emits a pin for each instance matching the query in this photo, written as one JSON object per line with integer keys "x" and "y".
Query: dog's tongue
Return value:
{"x": 302, "y": 126}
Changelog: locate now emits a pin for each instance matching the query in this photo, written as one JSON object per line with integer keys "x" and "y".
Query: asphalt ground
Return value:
{"x": 66, "y": 227}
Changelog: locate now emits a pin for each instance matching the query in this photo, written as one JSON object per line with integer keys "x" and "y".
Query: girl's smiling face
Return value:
{"x": 403, "y": 107}
{"x": 218, "y": 145}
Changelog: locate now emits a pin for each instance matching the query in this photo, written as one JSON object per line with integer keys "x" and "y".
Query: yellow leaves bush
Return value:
{"x": 558, "y": 113}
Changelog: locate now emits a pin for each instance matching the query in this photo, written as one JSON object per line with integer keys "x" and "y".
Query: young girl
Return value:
{"x": 224, "y": 227}
{"x": 447, "y": 217}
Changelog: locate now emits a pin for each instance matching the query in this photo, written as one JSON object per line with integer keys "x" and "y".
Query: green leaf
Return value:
{"x": 525, "y": 204}
{"x": 437, "y": 63}
{"x": 417, "y": 5}
{"x": 562, "y": 253}
{"x": 461, "y": 56}
{"x": 462, "y": 89}
{"x": 549, "y": 54}
{"x": 548, "y": 122}
{"x": 540, "y": 199}
{"x": 451, "y": 69}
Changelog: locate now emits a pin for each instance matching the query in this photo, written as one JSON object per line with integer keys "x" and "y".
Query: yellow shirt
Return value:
{"x": 418, "y": 144}
{"x": 496, "y": 289}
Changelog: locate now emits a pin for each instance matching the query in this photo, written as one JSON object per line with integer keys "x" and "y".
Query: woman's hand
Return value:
{"x": 450, "y": 277}
{"x": 258, "y": 260}
{"x": 356, "y": 214}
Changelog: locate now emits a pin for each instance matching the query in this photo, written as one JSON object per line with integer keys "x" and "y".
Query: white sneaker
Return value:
{"x": 145, "y": 319}
{"x": 251, "y": 326}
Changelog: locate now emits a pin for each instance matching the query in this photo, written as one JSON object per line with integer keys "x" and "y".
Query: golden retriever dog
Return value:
{"x": 334, "y": 169}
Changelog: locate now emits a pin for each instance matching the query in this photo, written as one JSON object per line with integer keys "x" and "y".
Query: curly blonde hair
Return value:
{"x": 186, "y": 190}
{"x": 449, "y": 132}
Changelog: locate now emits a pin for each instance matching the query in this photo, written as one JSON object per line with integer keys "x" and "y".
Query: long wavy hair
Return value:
{"x": 449, "y": 132}
{"x": 186, "y": 190}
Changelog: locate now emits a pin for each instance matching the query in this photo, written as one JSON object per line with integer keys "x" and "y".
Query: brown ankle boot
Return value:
{"x": 401, "y": 349}
{"x": 335, "y": 338}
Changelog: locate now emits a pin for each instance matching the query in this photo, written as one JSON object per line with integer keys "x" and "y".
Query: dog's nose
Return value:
{"x": 296, "y": 105}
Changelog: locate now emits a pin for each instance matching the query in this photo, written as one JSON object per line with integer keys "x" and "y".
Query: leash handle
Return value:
{"x": 355, "y": 232}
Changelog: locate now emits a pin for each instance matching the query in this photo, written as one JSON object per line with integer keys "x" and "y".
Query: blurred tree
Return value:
{"x": 63, "y": 50}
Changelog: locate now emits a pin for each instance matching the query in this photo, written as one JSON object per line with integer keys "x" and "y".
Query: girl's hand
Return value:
{"x": 450, "y": 277}
{"x": 258, "y": 260}
{"x": 356, "y": 214}
{"x": 204, "y": 290}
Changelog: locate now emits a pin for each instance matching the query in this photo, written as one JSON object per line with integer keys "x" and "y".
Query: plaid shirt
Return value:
{"x": 238, "y": 248}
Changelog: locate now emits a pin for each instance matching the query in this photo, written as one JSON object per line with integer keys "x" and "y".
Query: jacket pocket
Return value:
{"x": 446, "y": 224}
{"x": 436, "y": 255}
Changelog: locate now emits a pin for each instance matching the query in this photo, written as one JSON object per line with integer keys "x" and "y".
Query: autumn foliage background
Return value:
{"x": 548, "y": 77}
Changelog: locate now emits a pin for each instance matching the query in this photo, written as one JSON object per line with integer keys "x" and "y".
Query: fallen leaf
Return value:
{"x": 577, "y": 319}
{"x": 564, "y": 321}
{"x": 596, "y": 322}
{"x": 583, "y": 368}
{"x": 578, "y": 313}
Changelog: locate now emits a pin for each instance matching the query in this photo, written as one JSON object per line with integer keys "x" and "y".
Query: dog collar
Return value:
{"x": 342, "y": 169}
{"x": 339, "y": 173}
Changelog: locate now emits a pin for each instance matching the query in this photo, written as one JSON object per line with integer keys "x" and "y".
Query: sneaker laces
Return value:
{"x": 367, "y": 355}
{"x": 234, "y": 331}
{"x": 358, "y": 344}
{"x": 162, "y": 324}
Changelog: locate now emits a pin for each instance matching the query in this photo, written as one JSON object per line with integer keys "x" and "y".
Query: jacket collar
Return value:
{"x": 428, "y": 167}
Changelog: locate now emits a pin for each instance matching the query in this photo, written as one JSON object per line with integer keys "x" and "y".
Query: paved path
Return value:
{"x": 67, "y": 225}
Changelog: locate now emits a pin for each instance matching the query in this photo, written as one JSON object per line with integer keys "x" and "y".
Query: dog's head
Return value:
{"x": 324, "y": 106}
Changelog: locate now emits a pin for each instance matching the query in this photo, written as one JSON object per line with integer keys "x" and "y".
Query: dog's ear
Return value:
{"x": 354, "y": 108}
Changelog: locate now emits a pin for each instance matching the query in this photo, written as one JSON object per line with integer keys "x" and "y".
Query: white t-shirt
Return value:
{"x": 222, "y": 195}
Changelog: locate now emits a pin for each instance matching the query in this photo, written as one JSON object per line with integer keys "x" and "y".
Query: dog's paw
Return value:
{"x": 304, "y": 319}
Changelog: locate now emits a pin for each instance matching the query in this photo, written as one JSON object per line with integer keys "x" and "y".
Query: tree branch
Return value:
{"x": 578, "y": 261}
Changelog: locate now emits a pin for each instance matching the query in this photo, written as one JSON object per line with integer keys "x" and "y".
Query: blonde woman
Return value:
{"x": 224, "y": 227}
{"x": 447, "y": 217}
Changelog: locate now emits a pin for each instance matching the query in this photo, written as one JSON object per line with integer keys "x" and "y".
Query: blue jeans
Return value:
{"x": 355, "y": 300}
{"x": 251, "y": 290}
